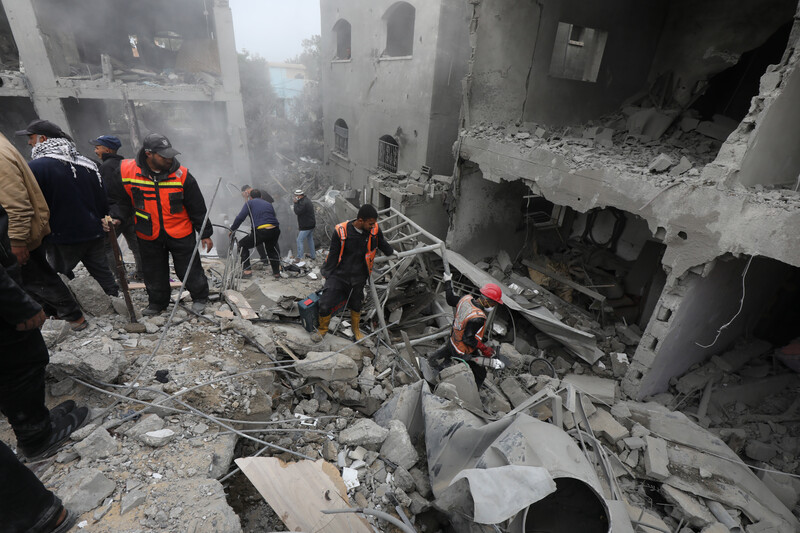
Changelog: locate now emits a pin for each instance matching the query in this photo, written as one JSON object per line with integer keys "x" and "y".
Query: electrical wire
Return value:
{"x": 741, "y": 306}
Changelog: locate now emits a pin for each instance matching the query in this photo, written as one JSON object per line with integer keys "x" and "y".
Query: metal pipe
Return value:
{"x": 414, "y": 251}
{"x": 421, "y": 340}
{"x": 379, "y": 311}
{"x": 377, "y": 514}
{"x": 723, "y": 516}
{"x": 406, "y": 238}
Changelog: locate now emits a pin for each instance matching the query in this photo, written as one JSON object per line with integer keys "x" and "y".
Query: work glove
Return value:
{"x": 447, "y": 277}
{"x": 486, "y": 351}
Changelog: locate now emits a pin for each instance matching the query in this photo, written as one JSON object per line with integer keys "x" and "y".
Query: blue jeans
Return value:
{"x": 302, "y": 236}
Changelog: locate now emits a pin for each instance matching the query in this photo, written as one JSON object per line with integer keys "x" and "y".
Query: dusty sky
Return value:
{"x": 274, "y": 29}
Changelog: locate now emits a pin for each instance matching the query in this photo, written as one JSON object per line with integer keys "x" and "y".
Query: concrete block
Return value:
{"x": 598, "y": 389}
{"x": 330, "y": 366}
{"x": 634, "y": 443}
{"x": 461, "y": 378}
{"x": 688, "y": 123}
{"x": 619, "y": 364}
{"x": 398, "y": 448}
{"x": 99, "y": 445}
{"x": 632, "y": 460}
{"x": 687, "y": 507}
{"x": 83, "y": 489}
{"x": 363, "y": 432}
{"x": 780, "y": 486}
{"x": 769, "y": 82}
{"x": 661, "y": 163}
{"x": 605, "y": 425}
{"x": 514, "y": 391}
{"x": 716, "y": 527}
{"x": 605, "y": 137}
{"x": 683, "y": 166}
{"x": 760, "y": 451}
{"x": 504, "y": 261}
{"x": 656, "y": 461}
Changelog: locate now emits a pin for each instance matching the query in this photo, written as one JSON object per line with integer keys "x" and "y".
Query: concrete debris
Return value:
{"x": 157, "y": 438}
{"x": 662, "y": 163}
{"x": 132, "y": 500}
{"x": 687, "y": 508}
{"x": 397, "y": 446}
{"x": 90, "y": 296}
{"x": 101, "y": 364}
{"x": 55, "y": 331}
{"x": 598, "y": 389}
{"x": 656, "y": 459}
{"x": 362, "y": 433}
{"x": 83, "y": 489}
{"x": 98, "y": 445}
{"x": 330, "y": 366}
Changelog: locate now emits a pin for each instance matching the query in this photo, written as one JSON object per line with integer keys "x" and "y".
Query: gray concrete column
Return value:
{"x": 229, "y": 64}
{"x": 34, "y": 58}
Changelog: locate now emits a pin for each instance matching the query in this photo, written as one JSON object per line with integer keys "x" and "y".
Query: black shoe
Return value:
{"x": 60, "y": 430}
{"x": 62, "y": 409}
{"x": 153, "y": 310}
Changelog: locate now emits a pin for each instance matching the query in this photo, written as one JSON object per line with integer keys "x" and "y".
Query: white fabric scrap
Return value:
{"x": 500, "y": 493}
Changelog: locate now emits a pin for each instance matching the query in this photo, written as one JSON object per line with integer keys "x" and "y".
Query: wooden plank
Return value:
{"x": 240, "y": 304}
{"x": 140, "y": 285}
{"x": 564, "y": 280}
{"x": 285, "y": 348}
{"x": 298, "y": 492}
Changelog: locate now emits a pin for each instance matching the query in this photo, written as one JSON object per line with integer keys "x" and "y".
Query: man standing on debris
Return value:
{"x": 74, "y": 193}
{"x": 469, "y": 324}
{"x": 28, "y": 217}
{"x": 106, "y": 147}
{"x": 25, "y": 504}
{"x": 306, "y": 221}
{"x": 168, "y": 208}
{"x": 349, "y": 264}
{"x": 264, "y": 235}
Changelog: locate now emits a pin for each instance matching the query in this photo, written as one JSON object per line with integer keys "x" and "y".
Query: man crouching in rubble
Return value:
{"x": 469, "y": 324}
{"x": 25, "y": 504}
{"x": 349, "y": 264}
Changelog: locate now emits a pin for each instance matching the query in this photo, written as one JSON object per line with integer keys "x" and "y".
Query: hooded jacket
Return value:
{"x": 20, "y": 195}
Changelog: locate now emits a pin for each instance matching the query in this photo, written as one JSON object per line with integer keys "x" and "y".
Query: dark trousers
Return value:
{"x": 45, "y": 286}
{"x": 443, "y": 357}
{"x": 93, "y": 256}
{"x": 25, "y": 505}
{"x": 155, "y": 267}
{"x": 127, "y": 231}
{"x": 266, "y": 242}
{"x": 337, "y": 291}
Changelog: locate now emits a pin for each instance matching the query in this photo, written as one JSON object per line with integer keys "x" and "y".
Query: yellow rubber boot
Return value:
{"x": 324, "y": 322}
{"x": 355, "y": 319}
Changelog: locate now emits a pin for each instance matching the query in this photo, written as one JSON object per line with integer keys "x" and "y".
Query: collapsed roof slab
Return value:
{"x": 701, "y": 220}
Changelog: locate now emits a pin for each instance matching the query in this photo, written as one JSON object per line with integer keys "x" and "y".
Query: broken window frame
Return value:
{"x": 577, "y": 60}
{"x": 341, "y": 138}
{"x": 388, "y": 153}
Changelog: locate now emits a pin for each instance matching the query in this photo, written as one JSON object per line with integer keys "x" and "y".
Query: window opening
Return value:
{"x": 400, "y": 30}
{"x": 578, "y": 52}
{"x": 341, "y": 134}
{"x": 343, "y": 35}
{"x": 388, "y": 152}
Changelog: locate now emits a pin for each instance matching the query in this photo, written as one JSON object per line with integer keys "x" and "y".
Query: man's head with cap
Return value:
{"x": 106, "y": 144}
{"x": 158, "y": 152}
{"x": 41, "y": 130}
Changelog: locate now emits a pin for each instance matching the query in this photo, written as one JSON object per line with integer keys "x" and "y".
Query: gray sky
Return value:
{"x": 274, "y": 29}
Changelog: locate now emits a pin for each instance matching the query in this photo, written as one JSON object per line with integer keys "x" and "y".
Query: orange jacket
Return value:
{"x": 372, "y": 249}
{"x": 156, "y": 204}
{"x": 466, "y": 310}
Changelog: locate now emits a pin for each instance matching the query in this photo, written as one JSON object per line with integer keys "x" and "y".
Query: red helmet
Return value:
{"x": 493, "y": 292}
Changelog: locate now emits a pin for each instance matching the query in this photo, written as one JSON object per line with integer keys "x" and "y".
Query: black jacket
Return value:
{"x": 304, "y": 210}
{"x": 110, "y": 167}
{"x": 15, "y": 304}
{"x": 353, "y": 267}
{"x": 193, "y": 201}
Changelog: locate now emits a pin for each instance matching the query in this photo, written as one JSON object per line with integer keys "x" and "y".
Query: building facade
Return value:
{"x": 127, "y": 68}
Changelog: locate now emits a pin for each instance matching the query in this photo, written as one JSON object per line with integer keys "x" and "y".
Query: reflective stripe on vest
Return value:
{"x": 341, "y": 230}
{"x": 466, "y": 310}
{"x": 156, "y": 204}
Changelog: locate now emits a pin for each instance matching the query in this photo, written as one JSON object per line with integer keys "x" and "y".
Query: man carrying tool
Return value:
{"x": 349, "y": 264}
{"x": 469, "y": 325}
{"x": 106, "y": 147}
{"x": 168, "y": 208}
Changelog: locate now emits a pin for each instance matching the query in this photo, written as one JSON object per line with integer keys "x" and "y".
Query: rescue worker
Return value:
{"x": 349, "y": 264}
{"x": 469, "y": 325}
{"x": 264, "y": 235}
{"x": 168, "y": 208}
{"x": 105, "y": 148}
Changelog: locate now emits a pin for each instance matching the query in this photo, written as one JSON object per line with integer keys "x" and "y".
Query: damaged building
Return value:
{"x": 127, "y": 69}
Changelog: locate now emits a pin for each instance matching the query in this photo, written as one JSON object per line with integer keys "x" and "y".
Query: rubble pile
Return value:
{"x": 221, "y": 387}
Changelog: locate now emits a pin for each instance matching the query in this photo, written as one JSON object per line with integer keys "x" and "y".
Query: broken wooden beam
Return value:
{"x": 564, "y": 280}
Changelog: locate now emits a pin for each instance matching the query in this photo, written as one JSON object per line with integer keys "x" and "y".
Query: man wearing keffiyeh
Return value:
{"x": 74, "y": 193}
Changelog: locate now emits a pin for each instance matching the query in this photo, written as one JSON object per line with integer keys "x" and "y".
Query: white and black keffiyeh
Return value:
{"x": 66, "y": 151}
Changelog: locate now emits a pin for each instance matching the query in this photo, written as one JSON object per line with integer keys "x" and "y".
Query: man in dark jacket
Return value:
{"x": 75, "y": 195}
{"x": 306, "y": 221}
{"x": 25, "y": 504}
{"x": 264, "y": 235}
{"x": 168, "y": 208}
{"x": 349, "y": 265}
{"x": 105, "y": 148}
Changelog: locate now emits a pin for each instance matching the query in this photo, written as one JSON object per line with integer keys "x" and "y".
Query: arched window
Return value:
{"x": 388, "y": 151}
{"x": 341, "y": 135}
{"x": 399, "y": 30}
{"x": 342, "y": 31}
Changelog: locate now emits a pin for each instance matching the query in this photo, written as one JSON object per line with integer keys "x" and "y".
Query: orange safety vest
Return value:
{"x": 466, "y": 310}
{"x": 156, "y": 204}
{"x": 341, "y": 229}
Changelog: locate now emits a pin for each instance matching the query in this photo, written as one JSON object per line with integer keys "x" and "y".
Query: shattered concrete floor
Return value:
{"x": 145, "y": 467}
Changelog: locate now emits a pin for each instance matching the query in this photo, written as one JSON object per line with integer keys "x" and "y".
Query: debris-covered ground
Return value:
{"x": 361, "y": 427}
